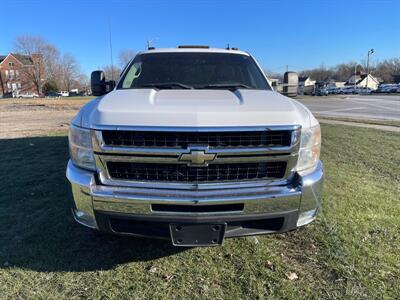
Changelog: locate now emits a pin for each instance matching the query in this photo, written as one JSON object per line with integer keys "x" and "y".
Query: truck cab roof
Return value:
{"x": 202, "y": 49}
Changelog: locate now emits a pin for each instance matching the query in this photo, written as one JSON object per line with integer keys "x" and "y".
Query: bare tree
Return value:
{"x": 125, "y": 56}
{"x": 387, "y": 69}
{"x": 68, "y": 71}
{"x": 112, "y": 72}
{"x": 81, "y": 82}
{"x": 270, "y": 74}
{"x": 342, "y": 72}
{"x": 42, "y": 54}
{"x": 51, "y": 63}
{"x": 319, "y": 74}
{"x": 2, "y": 84}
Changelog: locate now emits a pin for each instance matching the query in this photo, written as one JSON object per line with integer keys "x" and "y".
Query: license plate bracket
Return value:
{"x": 195, "y": 235}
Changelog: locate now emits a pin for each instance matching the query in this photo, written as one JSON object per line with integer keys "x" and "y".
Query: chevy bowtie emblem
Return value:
{"x": 197, "y": 158}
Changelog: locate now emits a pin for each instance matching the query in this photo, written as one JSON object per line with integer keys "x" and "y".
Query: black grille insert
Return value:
{"x": 191, "y": 174}
{"x": 268, "y": 138}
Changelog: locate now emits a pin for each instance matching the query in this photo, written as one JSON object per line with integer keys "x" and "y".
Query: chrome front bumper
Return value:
{"x": 300, "y": 199}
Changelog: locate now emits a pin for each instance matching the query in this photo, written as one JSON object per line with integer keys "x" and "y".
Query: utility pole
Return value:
{"x": 369, "y": 53}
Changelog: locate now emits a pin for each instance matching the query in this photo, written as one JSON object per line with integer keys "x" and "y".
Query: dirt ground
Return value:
{"x": 36, "y": 117}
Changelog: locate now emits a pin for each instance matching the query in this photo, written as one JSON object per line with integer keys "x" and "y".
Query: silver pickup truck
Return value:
{"x": 193, "y": 145}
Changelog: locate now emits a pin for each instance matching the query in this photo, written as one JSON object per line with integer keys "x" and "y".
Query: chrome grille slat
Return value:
{"x": 267, "y": 138}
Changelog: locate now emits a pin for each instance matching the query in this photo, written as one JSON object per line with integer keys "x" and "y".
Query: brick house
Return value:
{"x": 20, "y": 74}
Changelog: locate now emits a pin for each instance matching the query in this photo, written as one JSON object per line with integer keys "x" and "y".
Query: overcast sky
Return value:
{"x": 302, "y": 34}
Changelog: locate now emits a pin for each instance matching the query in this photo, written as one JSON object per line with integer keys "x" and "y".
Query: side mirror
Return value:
{"x": 290, "y": 84}
{"x": 110, "y": 85}
{"x": 98, "y": 83}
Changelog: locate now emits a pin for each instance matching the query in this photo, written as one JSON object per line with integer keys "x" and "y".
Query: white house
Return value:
{"x": 332, "y": 83}
{"x": 276, "y": 84}
{"x": 306, "y": 85}
{"x": 360, "y": 80}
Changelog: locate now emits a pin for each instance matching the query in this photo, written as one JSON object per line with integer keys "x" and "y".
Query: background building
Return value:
{"x": 360, "y": 80}
{"x": 306, "y": 85}
{"x": 20, "y": 74}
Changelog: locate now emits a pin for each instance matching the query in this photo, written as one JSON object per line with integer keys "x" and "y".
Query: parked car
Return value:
{"x": 363, "y": 90}
{"x": 64, "y": 93}
{"x": 320, "y": 92}
{"x": 387, "y": 88}
{"x": 347, "y": 90}
{"x": 392, "y": 89}
{"x": 381, "y": 89}
{"x": 27, "y": 95}
{"x": 52, "y": 95}
{"x": 194, "y": 160}
{"x": 83, "y": 93}
{"x": 7, "y": 95}
{"x": 332, "y": 90}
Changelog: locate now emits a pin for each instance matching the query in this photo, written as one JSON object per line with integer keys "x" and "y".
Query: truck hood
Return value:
{"x": 192, "y": 108}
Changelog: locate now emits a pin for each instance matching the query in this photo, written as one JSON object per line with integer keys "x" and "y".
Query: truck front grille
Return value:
{"x": 224, "y": 139}
{"x": 190, "y": 174}
{"x": 185, "y": 157}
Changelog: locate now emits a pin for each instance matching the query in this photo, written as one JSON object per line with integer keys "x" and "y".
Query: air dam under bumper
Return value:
{"x": 246, "y": 210}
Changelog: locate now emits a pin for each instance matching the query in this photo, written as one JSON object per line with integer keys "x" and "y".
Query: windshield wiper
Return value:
{"x": 229, "y": 86}
{"x": 167, "y": 85}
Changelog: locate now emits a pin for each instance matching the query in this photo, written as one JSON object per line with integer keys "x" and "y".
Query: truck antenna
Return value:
{"x": 111, "y": 50}
{"x": 149, "y": 46}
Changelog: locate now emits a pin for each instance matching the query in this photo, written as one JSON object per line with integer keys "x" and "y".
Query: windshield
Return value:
{"x": 188, "y": 70}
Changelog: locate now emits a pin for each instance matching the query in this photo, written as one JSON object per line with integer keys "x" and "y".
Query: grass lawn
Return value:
{"x": 40, "y": 100}
{"x": 361, "y": 120}
{"x": 46, "y": 101}
{"x": 351, "y": 251}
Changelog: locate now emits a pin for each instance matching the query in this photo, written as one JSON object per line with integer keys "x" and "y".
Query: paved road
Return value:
{"x": 371, "y": 106}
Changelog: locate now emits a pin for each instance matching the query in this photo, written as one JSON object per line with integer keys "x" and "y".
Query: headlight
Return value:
{"x": 80, "y": 148}
{"x": 310, "y": 148}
